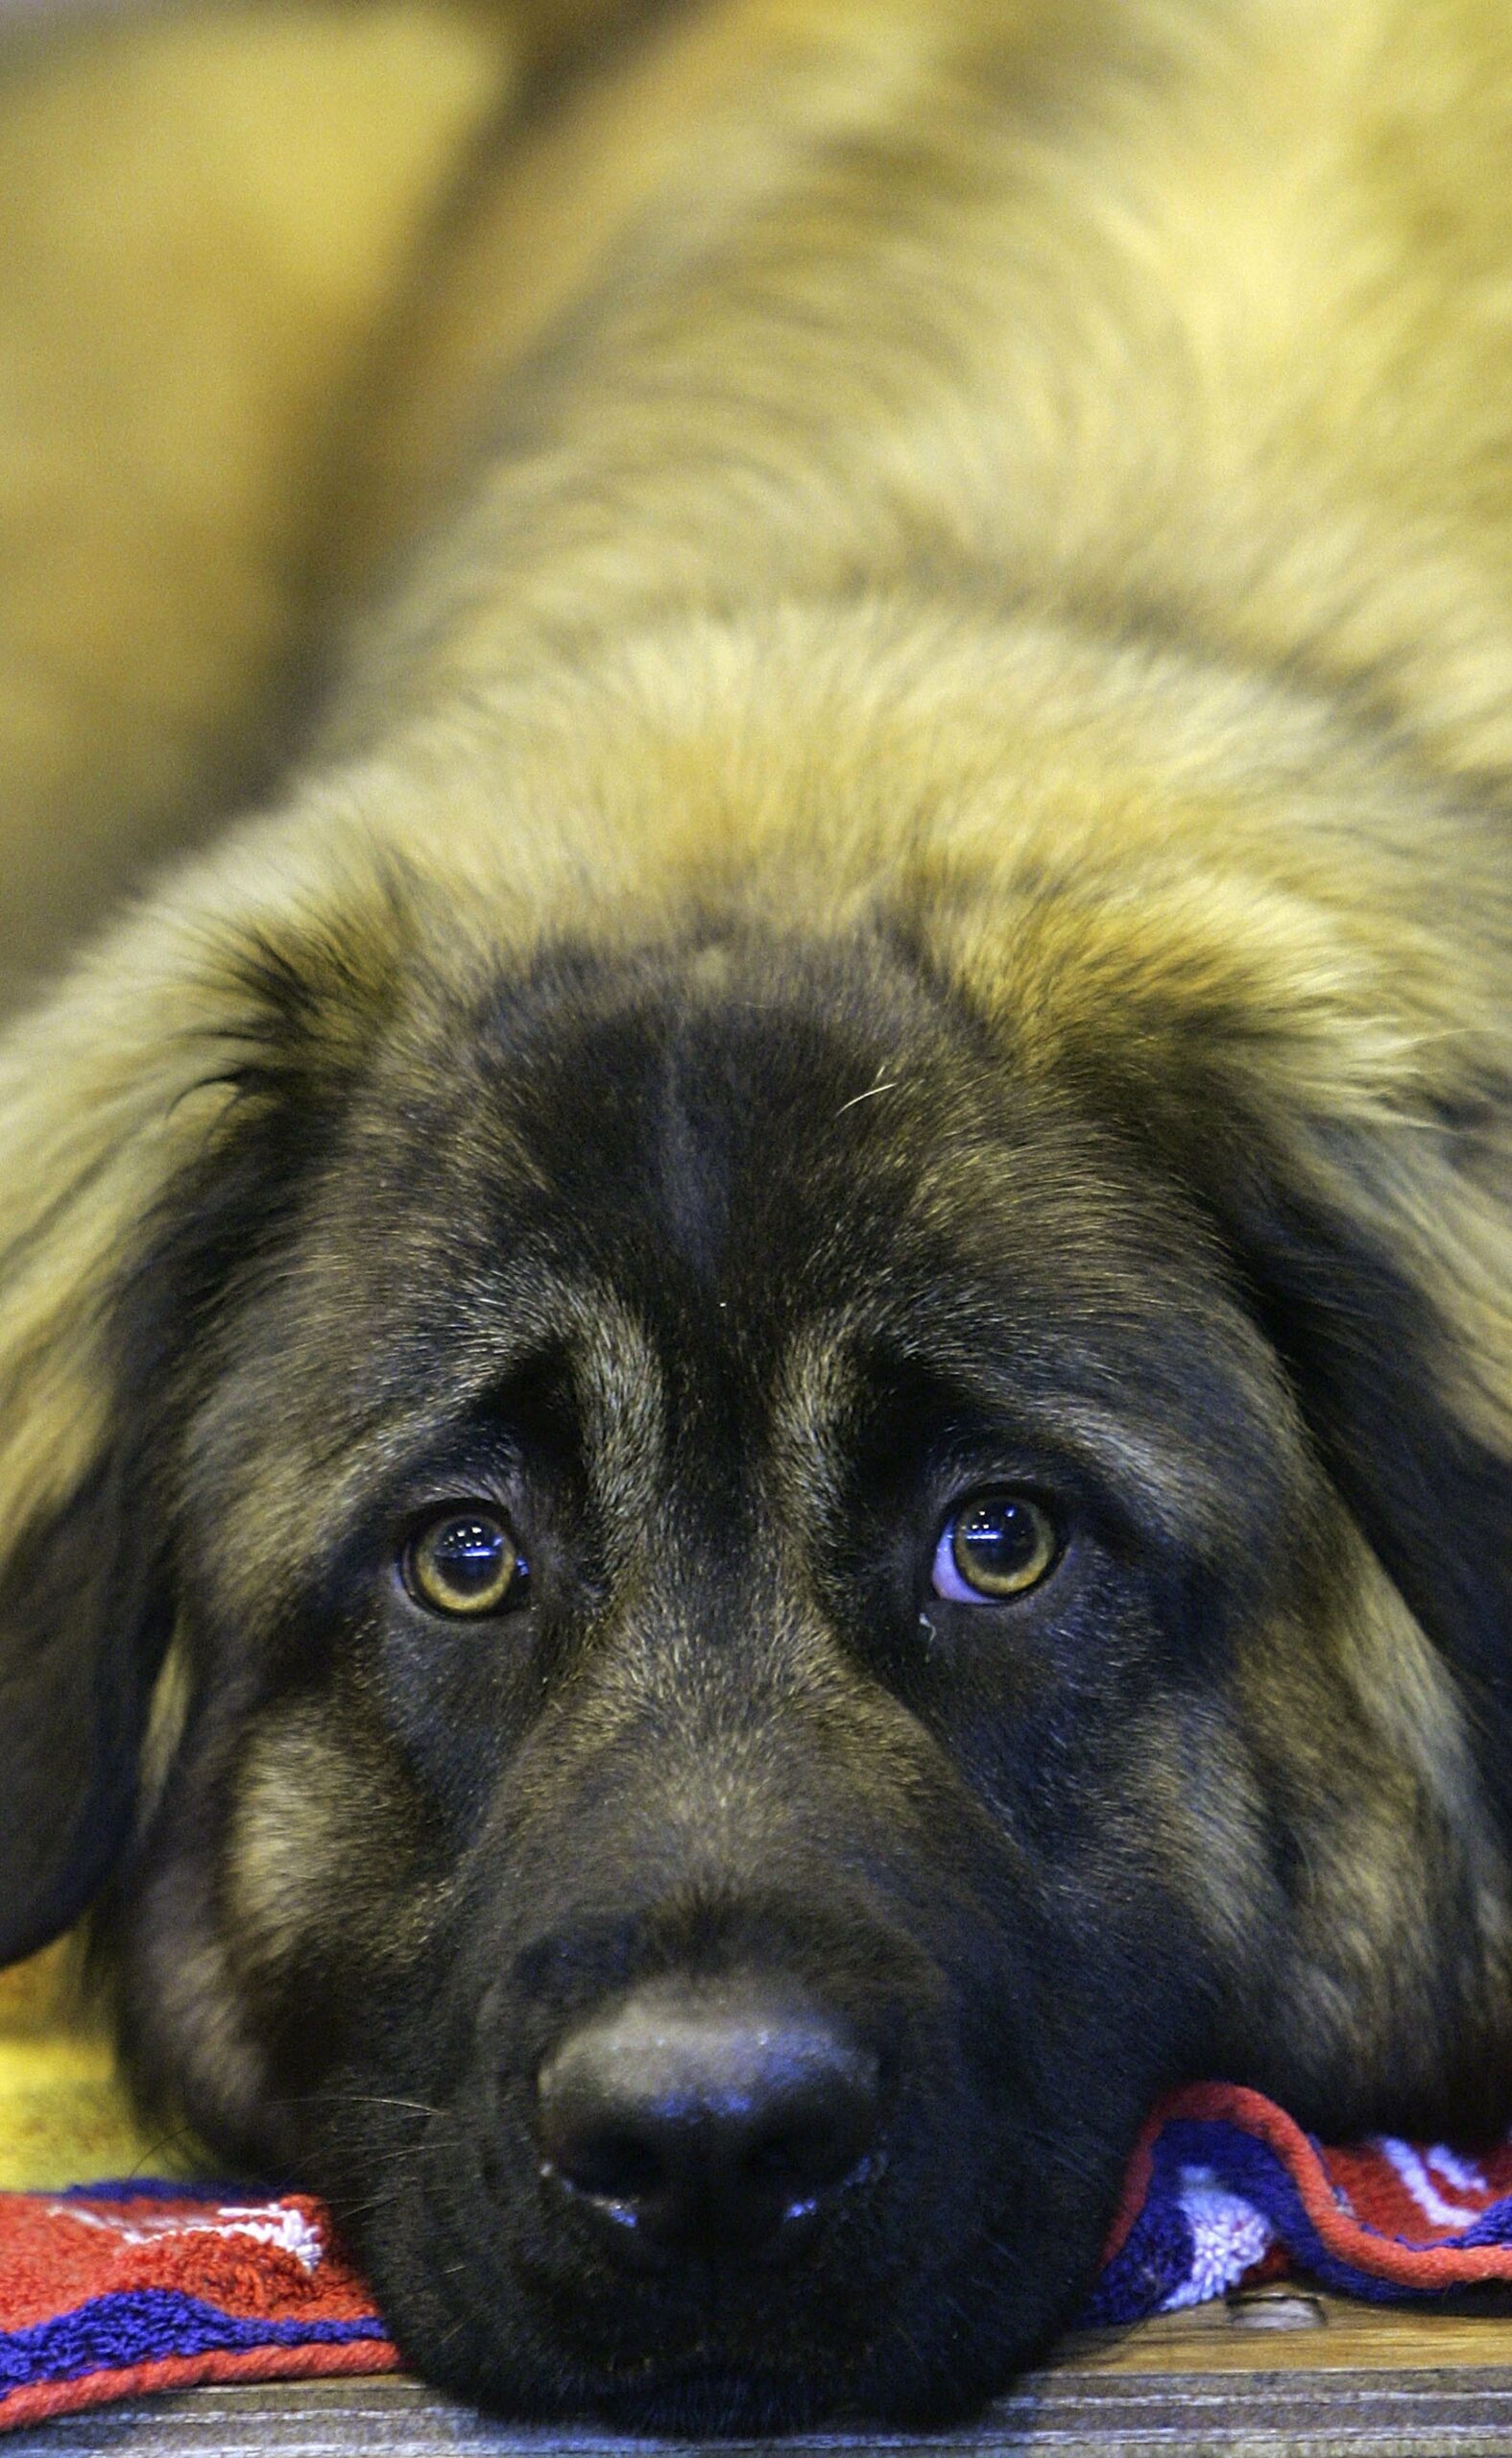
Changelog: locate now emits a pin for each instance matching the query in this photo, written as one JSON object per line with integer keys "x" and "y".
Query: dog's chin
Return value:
{"x": 707, "y": 2402}
{"x": 912, "y": 2379}
{"x": 925, "y": 2349}
{"x": 712, "y": 2402}
{"x": 699, "y": 2397}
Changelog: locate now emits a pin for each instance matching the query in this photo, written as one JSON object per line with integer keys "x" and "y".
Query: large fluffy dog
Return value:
{"x": 758, "y": 1387}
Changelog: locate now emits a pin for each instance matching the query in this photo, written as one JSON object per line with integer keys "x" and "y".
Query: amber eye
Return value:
{"x": 465, "y": 1562}
{"x": 996, "y": 1547}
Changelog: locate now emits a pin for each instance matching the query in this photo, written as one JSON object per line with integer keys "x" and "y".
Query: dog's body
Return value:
{"x": 870, "y": 1053}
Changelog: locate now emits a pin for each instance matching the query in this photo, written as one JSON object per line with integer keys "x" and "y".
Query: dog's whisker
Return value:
{"x": 375, "y": 2100}
{"x": 870, "y": 1094}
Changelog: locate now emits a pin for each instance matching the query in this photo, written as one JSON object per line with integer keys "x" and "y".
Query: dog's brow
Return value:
{"x": 817, "y": 1382}
{"x": 621, "y": 1398}
{"x": 1164, "y": 1470}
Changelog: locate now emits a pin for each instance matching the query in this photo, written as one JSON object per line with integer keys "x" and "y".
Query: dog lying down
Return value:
{"x": 758, "y": 1376}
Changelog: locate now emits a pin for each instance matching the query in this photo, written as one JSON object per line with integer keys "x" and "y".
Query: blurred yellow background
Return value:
{"x": 64, "y": 2116}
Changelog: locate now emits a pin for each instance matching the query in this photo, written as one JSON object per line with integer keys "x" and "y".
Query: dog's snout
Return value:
{"x": 708, "y": 2121}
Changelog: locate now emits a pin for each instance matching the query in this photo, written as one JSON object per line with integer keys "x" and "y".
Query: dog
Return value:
{"x": 758, "y": 1369}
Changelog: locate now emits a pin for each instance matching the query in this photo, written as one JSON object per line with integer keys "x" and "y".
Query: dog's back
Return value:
{"x": 1196, "y": 313}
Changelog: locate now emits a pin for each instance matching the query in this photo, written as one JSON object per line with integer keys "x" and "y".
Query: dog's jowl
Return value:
{"x": 758, "y": 1376}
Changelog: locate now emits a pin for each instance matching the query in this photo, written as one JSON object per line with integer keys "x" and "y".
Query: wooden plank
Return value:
{"x": 1313, "y": 2377}
{"x": 1287, "y": 2329}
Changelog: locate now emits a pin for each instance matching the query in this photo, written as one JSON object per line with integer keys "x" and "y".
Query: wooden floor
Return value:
{"x": 1272, "y": 2371}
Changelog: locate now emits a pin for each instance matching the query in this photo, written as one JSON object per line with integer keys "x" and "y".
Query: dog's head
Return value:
{"x": 779, "y": 1572}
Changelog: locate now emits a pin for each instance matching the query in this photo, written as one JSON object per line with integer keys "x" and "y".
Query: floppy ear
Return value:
{"x": 144, "y": 1111}
{"x": 1331, "y": 1084}
{"x": 1379, "y": 1262}
{"x": 1334, "y": 1089}
{"x": 81, "y": 1632}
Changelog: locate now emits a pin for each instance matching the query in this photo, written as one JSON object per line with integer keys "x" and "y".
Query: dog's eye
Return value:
{"x": 465, "y": 1562}
{"x": 996, "y": 1547}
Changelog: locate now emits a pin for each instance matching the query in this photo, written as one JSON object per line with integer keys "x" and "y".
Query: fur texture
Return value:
{"x": 899, "y": 893}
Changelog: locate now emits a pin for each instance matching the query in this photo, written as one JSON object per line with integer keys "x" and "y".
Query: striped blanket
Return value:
{"x": 113, "y": 2290}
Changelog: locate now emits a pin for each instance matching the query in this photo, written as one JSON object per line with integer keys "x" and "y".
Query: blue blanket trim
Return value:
{"x": 140, "y": 2323}
{"x": 164, "y": 2189}
{"x": 1156, "y": 2258}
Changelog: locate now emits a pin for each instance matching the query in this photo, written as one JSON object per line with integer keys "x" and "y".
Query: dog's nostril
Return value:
{"x": 707, "y": 2120}
{"x": 820, "y": 2144}
{"x": 613, "y": 2166}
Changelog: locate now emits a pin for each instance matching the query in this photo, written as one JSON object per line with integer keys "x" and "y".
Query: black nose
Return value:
{"x": 707, "y": 2120}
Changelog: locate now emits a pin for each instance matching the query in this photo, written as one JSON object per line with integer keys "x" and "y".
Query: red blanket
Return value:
{"x": 114, "y": 2290}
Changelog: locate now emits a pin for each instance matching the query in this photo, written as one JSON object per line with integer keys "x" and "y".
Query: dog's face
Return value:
{"x": 767, "y": 1659}
{"x": 804, "y": 1557}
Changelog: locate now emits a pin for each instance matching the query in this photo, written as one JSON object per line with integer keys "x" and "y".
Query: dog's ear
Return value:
{"x": 1380, "y": 1266}
{"x": 1333, "y": 1088}
{"x": 146, "y": 1112}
